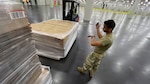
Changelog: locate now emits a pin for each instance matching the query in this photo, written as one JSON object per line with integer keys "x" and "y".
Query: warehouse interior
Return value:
{"x": 29, "y": 56}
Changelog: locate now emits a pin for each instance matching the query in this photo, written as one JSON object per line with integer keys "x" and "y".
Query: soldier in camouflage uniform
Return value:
{"x": 93, "y": 60}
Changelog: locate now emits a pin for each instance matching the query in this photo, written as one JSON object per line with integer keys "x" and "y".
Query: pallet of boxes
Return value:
{"x": 19, "y": 63}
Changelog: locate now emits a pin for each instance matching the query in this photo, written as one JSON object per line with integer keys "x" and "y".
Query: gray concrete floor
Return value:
{"x": 126, "y": 62}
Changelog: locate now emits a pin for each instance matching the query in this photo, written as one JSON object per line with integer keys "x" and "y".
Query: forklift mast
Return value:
{"x": 71, "y": 6}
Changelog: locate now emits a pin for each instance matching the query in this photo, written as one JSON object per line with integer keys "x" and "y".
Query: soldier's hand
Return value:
{"x": 97, "y": 25}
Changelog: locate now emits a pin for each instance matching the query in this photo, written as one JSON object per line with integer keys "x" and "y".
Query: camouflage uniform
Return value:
{"x": 93, "y": 60}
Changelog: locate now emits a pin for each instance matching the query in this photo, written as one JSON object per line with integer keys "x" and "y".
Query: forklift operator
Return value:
{"x": 75, "y": 16}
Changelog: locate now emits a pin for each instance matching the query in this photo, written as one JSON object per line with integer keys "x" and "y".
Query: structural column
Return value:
{"x": 51, "y": 3}
{"x": 88, "y": 10}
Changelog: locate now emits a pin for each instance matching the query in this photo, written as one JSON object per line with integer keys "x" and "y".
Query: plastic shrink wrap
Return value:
{"x": 54, "y": 38}
{"x": 19, "y": 63}
{"x": 12, "y": 16}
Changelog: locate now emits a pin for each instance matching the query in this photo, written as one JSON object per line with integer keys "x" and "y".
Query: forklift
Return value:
{"x": 70, "y": 10}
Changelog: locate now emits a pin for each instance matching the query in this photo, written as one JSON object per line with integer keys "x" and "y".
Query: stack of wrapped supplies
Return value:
{"x": 54, "y": 38}
{"x": 19, "y": 63}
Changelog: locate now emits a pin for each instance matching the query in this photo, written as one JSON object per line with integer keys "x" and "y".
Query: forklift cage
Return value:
{"x": 70, "y": 10}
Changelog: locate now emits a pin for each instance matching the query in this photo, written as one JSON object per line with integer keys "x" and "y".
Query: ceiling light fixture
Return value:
{"x": 141, "y": 2}
{"x": 146, "y": 0}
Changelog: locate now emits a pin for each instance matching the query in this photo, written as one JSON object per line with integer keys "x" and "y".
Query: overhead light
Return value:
{"x": 128, "y": 1}
{"x": 146, "y": 0}
{"x": 131, "y": 2}
{"x": 141, "y": 2}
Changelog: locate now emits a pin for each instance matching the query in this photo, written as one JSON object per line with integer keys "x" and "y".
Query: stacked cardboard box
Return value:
{"x": 19, "y": 63}
{"x": 54, "y": 38}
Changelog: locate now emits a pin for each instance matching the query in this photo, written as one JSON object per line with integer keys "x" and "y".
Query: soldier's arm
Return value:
{"x": 94, "y": 42}
{"x": 98, "y": 32}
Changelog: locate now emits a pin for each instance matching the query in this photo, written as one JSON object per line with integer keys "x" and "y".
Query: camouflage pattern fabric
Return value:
{"x": 92, "y": 61}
